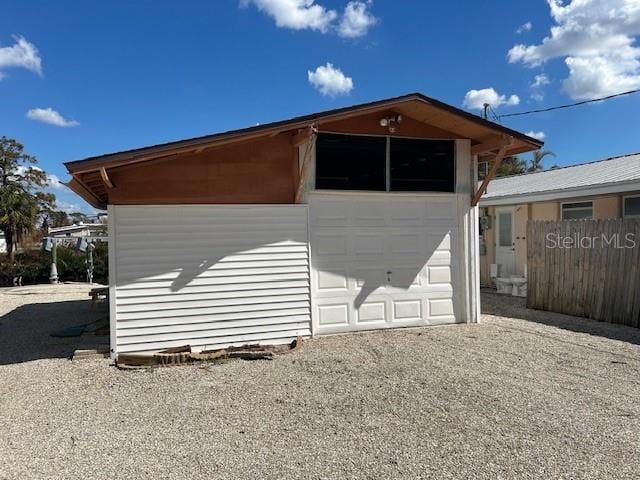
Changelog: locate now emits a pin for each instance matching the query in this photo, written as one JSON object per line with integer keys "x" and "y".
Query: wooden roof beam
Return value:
{"x": 494, "y": 142}
{"x": 303, "y": 136}
{"x": 105, "y": 178}
{"x": 491, "y": 175}
{"x": 81, "y": 189}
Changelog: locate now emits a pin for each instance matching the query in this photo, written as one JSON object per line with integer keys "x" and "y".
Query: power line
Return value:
{"x": 496, "y": 117}
{"x": 569, "y": 105}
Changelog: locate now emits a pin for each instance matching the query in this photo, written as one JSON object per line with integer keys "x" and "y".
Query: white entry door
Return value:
{"x": 383, "y": 260}
{"x": 505, "y": 241}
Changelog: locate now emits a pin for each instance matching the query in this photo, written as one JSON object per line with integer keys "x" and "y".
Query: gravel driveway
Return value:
{"x": 525, "y": 394}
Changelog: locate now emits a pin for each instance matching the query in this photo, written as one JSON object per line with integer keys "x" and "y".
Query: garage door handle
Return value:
{"x": 389, "y": 273}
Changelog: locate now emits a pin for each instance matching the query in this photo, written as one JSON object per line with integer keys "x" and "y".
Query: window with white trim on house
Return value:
{"x": 577, "y": 211}
{"x": 631, "y": 206}
{"x": 359, "y": 162}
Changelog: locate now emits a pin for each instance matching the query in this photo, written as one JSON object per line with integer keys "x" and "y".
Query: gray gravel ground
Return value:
{"x": 537, "y": 395}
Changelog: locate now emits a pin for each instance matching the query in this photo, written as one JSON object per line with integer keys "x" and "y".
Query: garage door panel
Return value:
{"x": 330, "y": 213}
{"x": 332, "y": 280}
{"x": 371, "y": 312}
{"x": 405, "y": 241}
{"x": 438, "y": 258}
{"x": 333, "y": 314}
{"x": 440, "y": 241}
{"x": 369, "y": 243}
{"x": 370, "y": 214}
{"x": 330, "y": 243}
{"x": 440, "y": 210}
{"x": 372, "y": 276}
{"x": 441, "y": 310}
{"x": 400, "y": 272}
{"x": 405, "y": 277}
{"x": 438, "y": 275}
{"x": 406, "y": 213}
{"x": 408, "y": 310}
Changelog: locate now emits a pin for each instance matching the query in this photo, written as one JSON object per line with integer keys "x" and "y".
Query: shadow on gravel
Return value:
{"x": 25, "y": 332}
{"x": 514, "y": 307}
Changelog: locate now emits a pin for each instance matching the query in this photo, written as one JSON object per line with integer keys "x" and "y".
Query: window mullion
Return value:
{"x": 388, "y": 164}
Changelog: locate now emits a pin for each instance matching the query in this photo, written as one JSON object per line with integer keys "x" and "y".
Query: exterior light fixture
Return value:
{"x": 391, "y": 122}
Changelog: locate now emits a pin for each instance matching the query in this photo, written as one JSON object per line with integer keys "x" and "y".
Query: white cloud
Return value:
{"x": 50, "y": 116}
{"x": 22, "y": 54}
{"x": 540, "y": 81}
{"x": 330, "y": 81}
{"x": 76, "y": 207}
{"x": 356, "y": 20}
{"x": 596, "y": 39}
{"x": 525, "y": 27}
{"x": 55, "y": 183}
{"x": 538, "y": 135}
{"x": 296, "y": 14}
{"x": 475, "y": 99}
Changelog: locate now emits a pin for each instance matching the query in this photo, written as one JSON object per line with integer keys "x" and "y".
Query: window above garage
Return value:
{"x": 384, "y": 164}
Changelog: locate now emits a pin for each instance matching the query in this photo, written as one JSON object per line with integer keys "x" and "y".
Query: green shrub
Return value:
{"x": 34, "y": 266}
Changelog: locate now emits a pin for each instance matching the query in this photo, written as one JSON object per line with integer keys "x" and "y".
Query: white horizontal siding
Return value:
{"x": 209, "y": 275}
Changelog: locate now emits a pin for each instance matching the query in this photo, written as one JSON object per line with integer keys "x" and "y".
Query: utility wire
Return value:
{"x": 496, "y": 117}
{"x": 569, "y": 105}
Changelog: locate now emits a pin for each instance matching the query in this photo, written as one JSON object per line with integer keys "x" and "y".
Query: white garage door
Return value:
{"x": 209, "y": 276}
{"x": 384, "y": 260}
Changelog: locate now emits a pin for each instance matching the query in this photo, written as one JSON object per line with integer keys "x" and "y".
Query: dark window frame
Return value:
{"x": 359, "y": 165}
{"x": 388, "y": 164}
{"x": 624, "y": 205}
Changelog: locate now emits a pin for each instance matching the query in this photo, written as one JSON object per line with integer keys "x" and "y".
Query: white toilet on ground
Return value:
{"x": 509, "y": 285}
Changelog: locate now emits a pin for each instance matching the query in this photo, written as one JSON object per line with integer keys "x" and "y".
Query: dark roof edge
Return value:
{"x": 311, "y": 117}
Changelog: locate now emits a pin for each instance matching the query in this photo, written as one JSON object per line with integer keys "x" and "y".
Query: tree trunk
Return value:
{"x": 11, "y": 246}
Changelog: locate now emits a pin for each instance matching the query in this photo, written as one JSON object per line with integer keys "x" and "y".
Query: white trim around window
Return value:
{"x": 577, "y": 210}
{"x": 624, "y": 206}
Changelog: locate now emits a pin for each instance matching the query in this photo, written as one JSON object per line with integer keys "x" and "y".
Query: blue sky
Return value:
{"x": 127, "y": 74}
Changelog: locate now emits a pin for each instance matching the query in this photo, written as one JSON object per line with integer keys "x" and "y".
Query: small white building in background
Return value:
{"x": 3, "y": 243}
{"x": 79, "y": 230}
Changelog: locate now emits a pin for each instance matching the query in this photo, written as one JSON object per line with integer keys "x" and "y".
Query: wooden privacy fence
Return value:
{"x": 587, "y": 268}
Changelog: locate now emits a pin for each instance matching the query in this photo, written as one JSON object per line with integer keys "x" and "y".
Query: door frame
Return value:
{"x": 499, "y": 248}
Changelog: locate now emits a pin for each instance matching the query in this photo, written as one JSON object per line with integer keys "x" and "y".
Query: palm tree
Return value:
{"x": 536, "y": 160}
{"x": 20, "y": 200}
{"x": 18, "y": 214}
{"x": 511, "y": 166}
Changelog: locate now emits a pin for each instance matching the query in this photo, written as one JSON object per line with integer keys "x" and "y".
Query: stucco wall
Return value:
{"x": 545, "y": 211}
{"x": 606, "y": 207}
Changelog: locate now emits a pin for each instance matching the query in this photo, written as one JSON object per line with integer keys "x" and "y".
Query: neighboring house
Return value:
{"x": 353, "y": 219}
{"x": 603, "y": 189}
{"x": 80, "y": 230}
{"x": 3, "y": 243}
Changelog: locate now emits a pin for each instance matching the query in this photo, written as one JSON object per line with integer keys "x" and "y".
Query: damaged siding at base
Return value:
{"x": 176, "y": 267}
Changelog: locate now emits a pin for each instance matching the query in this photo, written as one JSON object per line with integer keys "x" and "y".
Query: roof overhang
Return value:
{"x": 486, "y": 138}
